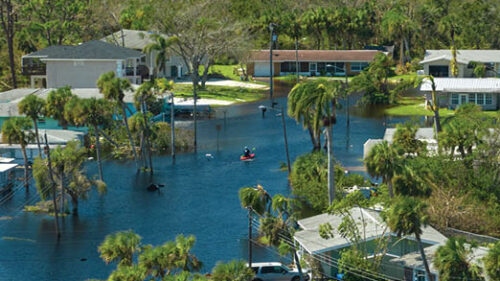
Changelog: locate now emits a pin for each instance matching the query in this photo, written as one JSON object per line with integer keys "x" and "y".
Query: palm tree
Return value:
{"x": 161, "y": 47}
{"x": 406, "y": 216}
{"x": 92, "y": 113}
{"x": 33, "y": 107}
{"x": 302, "y": 112}
{"x": 293, "y": 28}
{"x": 159, "y": 261}
{"x": 492, "y": 262}
{"x": 435, "y": 107}
{"x": 186, "y": 260}
{"x": 142, "y": 95}
{"x": 398, "y": 26}
{"x": 235, "y": 270}
{"x": 384, "y": 161}
{"x": 453, "y": 261}
{"x": 56, "y": 101}
{"x": 315, "y": 20}
{"x": 120, "y": 247}
{"x": 128, "y": 273}
{"x": 18, "y": 130}
{"x": 113, "y": 90}
{"x": 255, "y": 199}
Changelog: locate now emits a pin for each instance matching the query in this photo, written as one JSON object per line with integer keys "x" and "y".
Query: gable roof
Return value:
{"x": 133, "y": 39}
{"x": 463, "y": 56}
{"x": 89, "y": 50}
{"x": 312, "y": 242}
{"x": 314, "y": 55}
{"x": 463, "y": 85}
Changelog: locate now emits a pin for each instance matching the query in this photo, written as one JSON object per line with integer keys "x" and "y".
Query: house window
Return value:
{"x": 335, "y": 67}
{"x": 285, "y": 67}
{"x": 480, "y": 99}
{"x": 304, "y": 67}
{"x": 454, "y": 99}
{"x": 358, "y": 66}
{"x": 472, "y": 98}
{"x": 489, "y": 99}
{"x": 321, "y": 67}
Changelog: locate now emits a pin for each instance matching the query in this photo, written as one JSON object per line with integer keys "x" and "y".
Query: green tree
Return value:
{"x": 294, "y": 29}
{"x": 9, "y": 23}
{"x": 18, "y": 130}
{"x": 185, "y": 259}
{"x": 128, "y": 273}
{"x": 405, "y": 138}
{"x": 120, "y": 247}
{"x": 161, "y": 48}
{"x": 256, "y": 199}
{"x": 384, "y": 161}
{"x": 303, "y": 112}
{"x": 159, "y": 261}
{"x": 407, "y": 216}
{"x": 56, "y": 101}
{"x": 33, "y": 107}
{"x": 113, "y": 89}
{"x": 235, "y": 270}
{"x": 398, "y": 26}
{"x": 453, "y": 261}
{"x": 492, "y": 262}
{"x": 314, "y": 19}
{"x": 435, "y": 107}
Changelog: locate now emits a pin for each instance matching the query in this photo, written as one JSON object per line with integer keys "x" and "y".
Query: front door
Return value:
{"x": 463, "y": 98}
{"x": 173, "y": 71}
{"x": 312, "y": 68}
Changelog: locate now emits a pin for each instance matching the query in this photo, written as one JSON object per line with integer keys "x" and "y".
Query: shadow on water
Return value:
{"x": 200, "y": 196}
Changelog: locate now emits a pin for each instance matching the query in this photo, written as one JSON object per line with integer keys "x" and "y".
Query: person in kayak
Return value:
{"x": 246, "y": 152}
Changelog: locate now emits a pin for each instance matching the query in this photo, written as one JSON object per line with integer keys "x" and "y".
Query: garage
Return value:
{"x": 262, "y": 69}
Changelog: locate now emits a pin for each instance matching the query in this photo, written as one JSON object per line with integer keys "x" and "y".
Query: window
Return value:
{"x": 321, "y": 67}
{"x": 285, "y": 67}
{"x": 454, "y": 99}
{"x": 267, "y": 269}
{"x": 438, "y": 70}
{"x": 335, "y": 67}
{"x": 488, "y": 99}
{"x": 358, "y": 66}
{"x": 480, "y": 99}
{"x": 304, "y": 67}
{"x": 472, "y": 98}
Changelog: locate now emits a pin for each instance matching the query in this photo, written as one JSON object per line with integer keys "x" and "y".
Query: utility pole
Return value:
{"x": 172, "y": 125}
{"x": 249, "y": 237}
{"x": 347, "y": 96}
{"x": 286, "y": 140}
{"x": 271, "y": 76}
{"x": 54, "y": 201}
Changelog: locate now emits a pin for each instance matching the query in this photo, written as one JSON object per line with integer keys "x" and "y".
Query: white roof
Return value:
{"x": 466, "y": 85}
{"x": 422, "y": 134}
{"x": 313, "y": 243}
{"x": 54, "y": 136}
{"x": 463, "y": 56}
{"x": 6, "y": 167}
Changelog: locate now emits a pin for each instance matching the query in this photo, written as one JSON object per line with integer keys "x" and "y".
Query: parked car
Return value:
{"x": 275, "y": 271}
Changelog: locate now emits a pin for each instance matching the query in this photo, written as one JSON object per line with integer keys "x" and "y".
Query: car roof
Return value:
{"x": 257, "y": 264}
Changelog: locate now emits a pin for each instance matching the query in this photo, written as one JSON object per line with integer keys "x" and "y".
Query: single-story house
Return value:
{"x": 55, "y": 138}
{"x": 437, "y": 62}
{"x": 452, "y": 92}
{"x": 311, "y": 62}
{"x": 6, "y": 174}
{"x": 423, "y": 134}
{"x": 328, "y": 251}
{"x": 175, "y": 67}
{"x": 79, "y": 66}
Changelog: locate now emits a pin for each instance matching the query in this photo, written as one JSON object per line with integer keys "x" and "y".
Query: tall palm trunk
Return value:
{"x": 195, "y": 97}
{"x": 297, "y": 57}
{"x": 125, "y": 121}
{"x": 37, "y": 138}
{"x": 313, "y": 138}
{"x": 331, "y": 178}
{"x": 74, "y": 203}
{"x": 98, "y": 152}
{"x": 147, "y": 135}
{"x": 25, "y": 157}
{"x": 388, "y": 181}
{"x": 424, "y": 258}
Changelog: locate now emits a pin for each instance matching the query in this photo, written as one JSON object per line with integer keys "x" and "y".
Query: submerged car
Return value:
{"x": 276, "y": 271}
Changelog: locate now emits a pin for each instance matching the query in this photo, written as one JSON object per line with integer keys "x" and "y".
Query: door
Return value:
{"x": 312, "y": 68}
{"x": 173, "y": 71}
{"x": 463, "y": 98}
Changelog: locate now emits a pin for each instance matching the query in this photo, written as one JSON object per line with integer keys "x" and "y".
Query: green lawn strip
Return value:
{"x": 228, "y": 72}
{"x": 414, "y": 106}
{"x": 235, "y": 94}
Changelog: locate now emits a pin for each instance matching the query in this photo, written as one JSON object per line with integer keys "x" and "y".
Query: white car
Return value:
{"x": 275, "y": 271}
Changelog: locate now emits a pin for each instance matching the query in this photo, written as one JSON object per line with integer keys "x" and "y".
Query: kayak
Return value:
{"x": 246, "y": 158}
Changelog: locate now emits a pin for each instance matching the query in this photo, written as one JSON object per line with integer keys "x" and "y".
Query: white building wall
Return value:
{"x": 175, "y": 61}
{"x": 262, "y": 69}
{"x": 77, "y": 74}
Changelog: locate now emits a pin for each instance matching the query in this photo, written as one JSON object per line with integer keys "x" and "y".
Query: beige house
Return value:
{"x": 79, "y": 66}
{"x": 175, "y": 67}
{"x": 437, "y": 62}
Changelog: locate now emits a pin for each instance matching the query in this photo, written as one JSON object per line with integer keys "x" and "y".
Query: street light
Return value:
{"x": 273, "y": 38}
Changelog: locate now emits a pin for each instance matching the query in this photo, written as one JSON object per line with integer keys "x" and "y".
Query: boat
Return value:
{"x": 247, "y": 158}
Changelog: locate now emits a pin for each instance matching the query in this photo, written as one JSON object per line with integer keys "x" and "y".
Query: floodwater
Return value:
{"x": 200, "y": 197}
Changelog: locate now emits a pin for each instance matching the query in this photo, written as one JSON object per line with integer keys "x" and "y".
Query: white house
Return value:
{"x": 453, "y": 92}
{"x": 175, "y": 66}
{"x": 437, "y": 62}
{"x": 79, "y": 66}
{"x": 423, "y": 134}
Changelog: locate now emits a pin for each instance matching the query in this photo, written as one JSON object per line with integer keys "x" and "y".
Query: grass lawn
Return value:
{"x": 414, "y": 106}
{"x": 227, "y": 71}
{"x": 234, "y": 94}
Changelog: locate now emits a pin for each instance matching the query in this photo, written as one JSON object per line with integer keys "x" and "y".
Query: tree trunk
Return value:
{"x": 424, "y": 259}
{"x": 172, "y": 128}
{"x": 437, "y": 121}
{"x": 25, "y": 157}
{"x": 143, "y": 151}
{"x": 38, "y": 139}
{"x": 132, "y": 145}
{"x": 10, "y": 46}
{"x": 313, "y": 138}
{"x": 331, "y": 177}
{"x": 98, "y": 152}
{"x": 61, "y": 185}
{"x": 146, "y": 135}
{"x": 195, "y": 97}
{"x": 401, "y": 52}
{"x": 389, "y": 187}
{"x": 204, "y": 78}
{"x": 297, "y": 57}
{"x": 74, "y": 202}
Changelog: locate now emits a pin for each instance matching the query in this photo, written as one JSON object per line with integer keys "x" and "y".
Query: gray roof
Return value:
{"x": 89, "y": 50}
{"x": 133, "y": 39}
{"x": 312, "y": 242}
{"x": 461, "y": 85}
{"x": 422, "y": 134}
{"x": 463, "y": 56}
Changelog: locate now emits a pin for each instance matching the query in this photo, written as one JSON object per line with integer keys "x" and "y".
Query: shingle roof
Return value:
{"x": 463, "y": 85}
{"x": 463, "y": 56}
{"x": 133, "y": 39}
{"x": 312, "y": 242}
{"x": 314, "y": 55}
{"x": 89, "y": 50}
